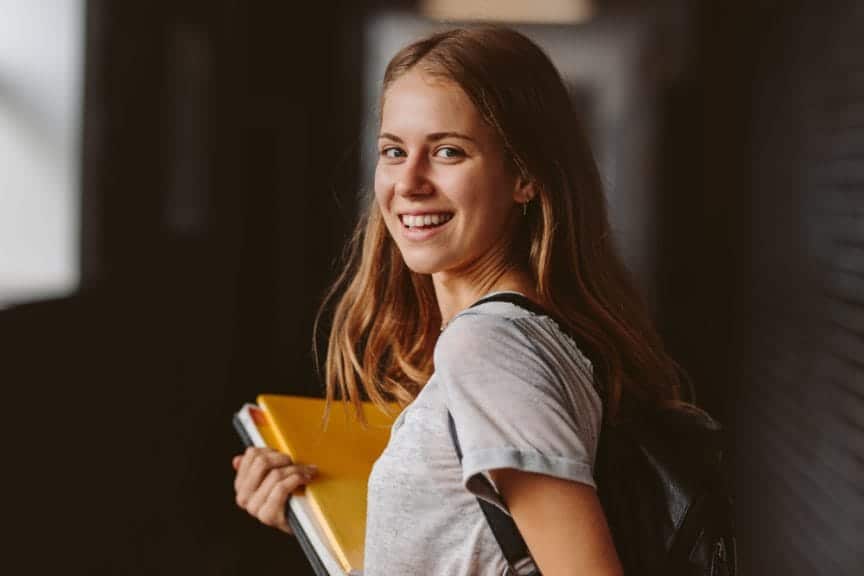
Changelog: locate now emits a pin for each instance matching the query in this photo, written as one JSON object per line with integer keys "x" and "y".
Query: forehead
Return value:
{"x": 418, "y": 102}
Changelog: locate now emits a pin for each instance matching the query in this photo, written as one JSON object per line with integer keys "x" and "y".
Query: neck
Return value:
{"x": 457, "y": 291}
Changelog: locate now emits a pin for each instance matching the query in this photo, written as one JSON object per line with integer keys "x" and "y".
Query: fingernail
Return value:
{"x": 310, "y": 471}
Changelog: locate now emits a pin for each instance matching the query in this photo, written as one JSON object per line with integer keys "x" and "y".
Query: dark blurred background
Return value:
{"x": 208, "y": 163}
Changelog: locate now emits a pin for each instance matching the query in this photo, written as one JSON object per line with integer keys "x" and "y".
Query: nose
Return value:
{"x": 413, "y": 178}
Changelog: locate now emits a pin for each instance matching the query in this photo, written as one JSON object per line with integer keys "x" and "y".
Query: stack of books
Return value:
{"x": 328, "y": 516}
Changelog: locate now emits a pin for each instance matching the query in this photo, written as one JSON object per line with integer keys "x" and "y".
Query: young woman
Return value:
{"x": 484, "y": 184}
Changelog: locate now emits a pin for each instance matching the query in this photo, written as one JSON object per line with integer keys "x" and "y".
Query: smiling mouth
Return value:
{"x": 424, "y": 221}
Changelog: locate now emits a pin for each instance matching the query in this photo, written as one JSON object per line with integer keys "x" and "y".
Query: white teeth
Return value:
{"x": 420, "y": 220}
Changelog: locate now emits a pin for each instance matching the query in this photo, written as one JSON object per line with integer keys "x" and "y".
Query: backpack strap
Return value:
{"x": 502, "y": 525}
{"x": 514, "y": 298}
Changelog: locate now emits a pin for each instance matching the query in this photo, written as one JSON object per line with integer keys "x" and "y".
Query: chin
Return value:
{"x": 420, "y": 267}
{"x": 422, "y": 264}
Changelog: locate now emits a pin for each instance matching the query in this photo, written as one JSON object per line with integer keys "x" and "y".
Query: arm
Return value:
{"x": 561, "y": 521}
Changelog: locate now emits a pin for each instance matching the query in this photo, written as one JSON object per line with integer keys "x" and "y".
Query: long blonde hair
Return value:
{"x": 386, "y": 319}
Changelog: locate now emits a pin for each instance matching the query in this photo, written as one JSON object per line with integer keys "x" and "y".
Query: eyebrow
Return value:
{"x": 434, "y": 137}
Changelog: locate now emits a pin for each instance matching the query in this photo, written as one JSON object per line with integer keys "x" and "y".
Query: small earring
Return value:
{"x": 525, "y": 208}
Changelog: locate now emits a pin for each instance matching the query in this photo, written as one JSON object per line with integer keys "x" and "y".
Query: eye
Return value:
{"x": 449, "y": 152}
{"x": 392, "y": 152}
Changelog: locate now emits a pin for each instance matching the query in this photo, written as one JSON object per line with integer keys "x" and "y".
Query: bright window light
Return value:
{"x": 41, "y": 46}
{"x": 535, "y": 11}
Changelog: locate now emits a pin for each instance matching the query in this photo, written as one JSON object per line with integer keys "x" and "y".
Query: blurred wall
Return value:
{"x": 762, "y": 291}
{"x": 802, "y": 415}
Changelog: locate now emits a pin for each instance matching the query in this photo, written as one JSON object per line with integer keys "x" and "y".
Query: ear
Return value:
{"x": 525, "y": 190}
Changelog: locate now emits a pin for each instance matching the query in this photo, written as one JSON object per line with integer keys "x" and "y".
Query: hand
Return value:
{"x": 264, "y": 482}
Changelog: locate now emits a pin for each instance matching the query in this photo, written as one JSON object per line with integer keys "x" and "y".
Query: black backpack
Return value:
{"x": 663, "y": 484}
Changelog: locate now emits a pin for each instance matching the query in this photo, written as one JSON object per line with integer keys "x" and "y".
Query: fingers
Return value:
{"x": 267, "y": 504}
{"x": 272, "y": 512}
{"x": 254, "y": 466}
{"x": 265, "y": 480}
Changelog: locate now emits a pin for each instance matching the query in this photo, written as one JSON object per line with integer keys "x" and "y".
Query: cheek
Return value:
{"x": 486, "y": 199}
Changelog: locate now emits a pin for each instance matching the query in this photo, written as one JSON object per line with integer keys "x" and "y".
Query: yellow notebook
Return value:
{"x": 344, "y": 452}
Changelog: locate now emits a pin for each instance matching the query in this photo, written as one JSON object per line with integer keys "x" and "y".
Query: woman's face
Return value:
{"x": 443, "y": 182}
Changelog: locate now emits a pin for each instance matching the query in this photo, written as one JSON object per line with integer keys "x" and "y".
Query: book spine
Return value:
{"x": 241, "y": 431}
{"x": 305, "y": 544}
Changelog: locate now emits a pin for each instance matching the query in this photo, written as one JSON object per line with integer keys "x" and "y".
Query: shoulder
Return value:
{"x": 503, "y": 331}
{"x": 486, "y": 330}
{"x": 481, "y": 322}
{"x": 520, "y": 392}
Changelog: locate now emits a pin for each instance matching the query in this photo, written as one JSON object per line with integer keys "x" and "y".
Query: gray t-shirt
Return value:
{"x": 521, "y": 396}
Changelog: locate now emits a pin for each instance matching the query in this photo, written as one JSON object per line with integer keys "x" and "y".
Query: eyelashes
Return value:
{"x": 443, "y": 152}
{"x": 451, "y": 152}
{"x": 392, "y": 152}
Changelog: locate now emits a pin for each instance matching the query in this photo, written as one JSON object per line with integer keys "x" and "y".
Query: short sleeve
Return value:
{"x": 521, "y": 396}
